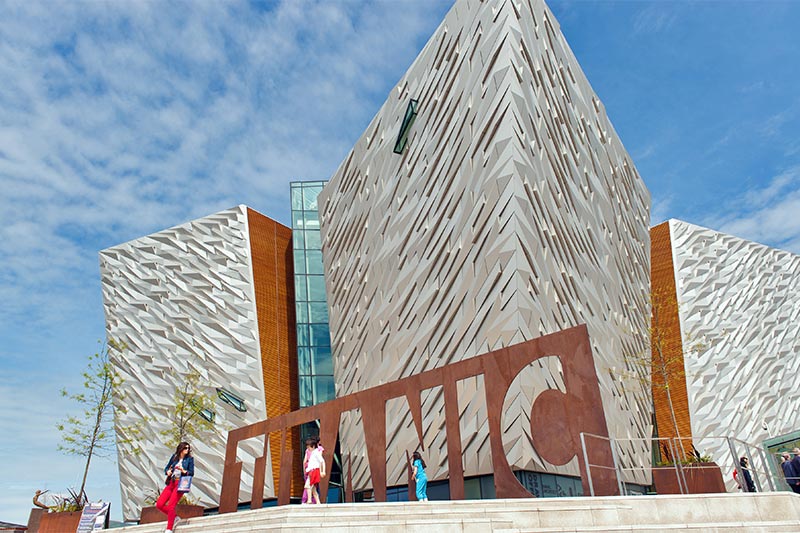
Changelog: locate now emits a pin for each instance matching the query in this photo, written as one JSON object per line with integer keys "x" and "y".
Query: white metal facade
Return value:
{"x": 739, "y": 305}
{"x": 183, "y": 299}
{"x": 513, "y": 212}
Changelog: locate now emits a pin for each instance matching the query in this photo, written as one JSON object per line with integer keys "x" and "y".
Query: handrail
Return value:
{"x": 673, "y": 445}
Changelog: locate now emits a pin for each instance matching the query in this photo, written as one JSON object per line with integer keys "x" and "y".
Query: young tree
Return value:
{"x": 662, "y": 368}
{"x": 92, "y": 434}
{"x": 666, "y": 358}
{"x": 192, "y": 414}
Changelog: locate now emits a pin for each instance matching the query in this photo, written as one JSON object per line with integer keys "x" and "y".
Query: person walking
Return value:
{"x": 306, "y": 457}
{"x": 795, "y": 466}
{"x": 748, "y": 485}
{"x": 796, "y": 460}
{"x": 791, "y": 475}
{"x": 180, "y": 465}
{"x": 420, "y": 477}
{"x": 315, "y": 469}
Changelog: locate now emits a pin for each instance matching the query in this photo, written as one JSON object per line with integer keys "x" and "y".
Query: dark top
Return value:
{"x": 748, "y": 479}
{"x": 796, "y": 464}
{"x": 790, "y": 472}
{"x": 187, "y": 464}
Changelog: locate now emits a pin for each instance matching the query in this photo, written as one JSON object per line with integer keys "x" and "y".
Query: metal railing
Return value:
{"x": 766, "y": 475}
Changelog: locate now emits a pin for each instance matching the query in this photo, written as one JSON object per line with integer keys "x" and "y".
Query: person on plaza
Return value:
{"x": 796, "y": 460}
{"x": 792, "y": 477}
{"x": 748, "y": 485}
{"x": 315, "y": 468}
{"x": 420, "y": 477}
{"x": 307, "y": 456}
{"x": 180, "y": 465}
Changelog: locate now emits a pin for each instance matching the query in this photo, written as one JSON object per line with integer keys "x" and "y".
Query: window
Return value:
{"x": 310, "y": 193}
{"x": 313, "y": 241}
{"x": 322, "y": 360}
{"x": 408, "y": 121}
{"x": 231, "y": 399}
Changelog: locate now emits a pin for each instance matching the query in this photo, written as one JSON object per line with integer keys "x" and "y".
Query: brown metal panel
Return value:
{"x": 412, "y": 485}
{"x": 273, "y": 282}
{"x": 373, "y": 415}
{"x": 497, "y": 376}
{"x": 666, "y": 330}
{"x": 556, "y": 419}
{"x": 348, "y": 491}
{"x": 284, "y": 487}
{"x": 455, "y": 466}
{"x": 257, "y": 498}
{"x": 231, "y": 478}
{"x": 328, "y": 433}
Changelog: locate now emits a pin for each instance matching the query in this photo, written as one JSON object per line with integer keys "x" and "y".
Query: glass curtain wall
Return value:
{"x": 314, "y": 362}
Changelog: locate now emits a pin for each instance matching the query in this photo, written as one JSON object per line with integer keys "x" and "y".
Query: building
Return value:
{"x": 214, "y": 296}
{"x": 489, "y": 202}
{"x": 730, "y": 323}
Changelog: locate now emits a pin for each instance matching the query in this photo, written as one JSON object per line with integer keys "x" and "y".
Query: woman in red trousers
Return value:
{"x": 181, "y": 464}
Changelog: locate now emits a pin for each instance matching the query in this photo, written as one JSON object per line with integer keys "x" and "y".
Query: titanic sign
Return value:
{"x": 557, "y": 420}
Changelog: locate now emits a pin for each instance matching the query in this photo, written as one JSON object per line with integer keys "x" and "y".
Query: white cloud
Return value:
{"x": 659, "y": 211}
{"x": 767, "y": 215}
{"x": 645, "y": 152}
{"x": 654, "y": 18}
{"x": 118, "y": 119}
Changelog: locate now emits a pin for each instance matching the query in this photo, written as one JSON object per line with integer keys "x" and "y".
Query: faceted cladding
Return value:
{"x": 212, "y": 295}
{"x": 513, "y": 212}
{"x": 740, "y": 336}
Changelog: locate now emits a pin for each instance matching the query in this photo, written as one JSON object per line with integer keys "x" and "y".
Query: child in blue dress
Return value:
{"x": 420, "y": 477}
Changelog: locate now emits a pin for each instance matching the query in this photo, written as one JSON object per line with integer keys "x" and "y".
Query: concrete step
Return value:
{"x": 790, "y": 526}
{"x": 779, "y": 512}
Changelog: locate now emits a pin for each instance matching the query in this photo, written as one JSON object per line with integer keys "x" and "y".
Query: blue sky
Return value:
{"x": 118, "y": 119}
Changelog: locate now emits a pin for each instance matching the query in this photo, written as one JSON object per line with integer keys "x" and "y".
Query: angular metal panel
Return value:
{"x": 514, "y": 211}
{"x": 183, "y": 299}
{"x": 740, "y": 327}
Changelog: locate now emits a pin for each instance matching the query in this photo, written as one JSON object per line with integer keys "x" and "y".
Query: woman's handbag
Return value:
{"x": 185, "y": 484}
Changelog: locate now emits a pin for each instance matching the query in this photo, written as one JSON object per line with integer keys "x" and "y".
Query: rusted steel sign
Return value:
{"x": 557, "y": 420}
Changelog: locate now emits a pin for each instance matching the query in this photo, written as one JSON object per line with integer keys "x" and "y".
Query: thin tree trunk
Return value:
{"x": 101, "y": 407}
{"x": 85, "y": 475}
{"x": 665, "y": 375}
{"x": 675, "y": 423}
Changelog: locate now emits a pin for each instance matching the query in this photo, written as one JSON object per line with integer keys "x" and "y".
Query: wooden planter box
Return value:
{"x": 151, "y": 515}
{"x": 59, "y": 522}
{"x": 701, "y": 478}
{"x": 34, "y": 519}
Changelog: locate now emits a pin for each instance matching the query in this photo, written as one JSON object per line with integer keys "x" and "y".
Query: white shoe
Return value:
{"x": 167, "y": 531}
{"x": 176, "y": 522}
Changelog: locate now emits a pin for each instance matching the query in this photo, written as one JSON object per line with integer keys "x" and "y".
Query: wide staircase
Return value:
{"x": 756, "y": 512}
